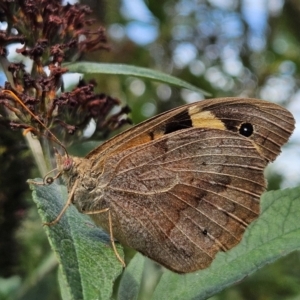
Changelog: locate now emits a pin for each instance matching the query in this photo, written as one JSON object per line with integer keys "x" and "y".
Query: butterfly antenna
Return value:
{"x": 16, "y": 98}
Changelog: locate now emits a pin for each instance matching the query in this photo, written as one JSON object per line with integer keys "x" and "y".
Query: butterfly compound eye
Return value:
{"x": 246, "y": 129}
{"x": 67, "y": 164}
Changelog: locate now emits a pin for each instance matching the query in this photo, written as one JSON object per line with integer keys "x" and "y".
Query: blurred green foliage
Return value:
{"x": 232, "y": 56}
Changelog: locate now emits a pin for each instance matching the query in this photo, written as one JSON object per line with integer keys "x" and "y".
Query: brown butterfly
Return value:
{"x": 183, "y": 185}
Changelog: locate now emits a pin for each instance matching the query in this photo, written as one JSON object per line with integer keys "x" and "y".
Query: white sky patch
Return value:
{"x": 278, "y": 88}
{"x": 142, "y": 27}
{"x": 142, "y": 33}
{"x": 294, "y": 108}
{"x": 89, "y": 129}
{"x": 65, "y": 2}
{"x": 190, "y": 96}
{"x": 227, "y": 5}
{"x": 15, "y": 57}
{"x": 288, "y": 161}
{"x": 71, "y": 79}
{"x": 2, "y": 77}
{"x": 233, "y": 67}
{"x": 3, "y": 25}
{"x": 116, "y": 32}
{"x": 287, "y": 164}
{"x": 136, "y": 10}
{"x": 184, "y": 53}
{"x": 255, "y": 13}
{"x": 275, "y": 7}
{"x": 197, "y": 67}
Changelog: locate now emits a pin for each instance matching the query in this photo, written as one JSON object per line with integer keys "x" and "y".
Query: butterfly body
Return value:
{"x": 184, "y": 185}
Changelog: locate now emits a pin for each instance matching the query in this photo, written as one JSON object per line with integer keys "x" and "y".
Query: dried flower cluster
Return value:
{"x": 52, "y": 34}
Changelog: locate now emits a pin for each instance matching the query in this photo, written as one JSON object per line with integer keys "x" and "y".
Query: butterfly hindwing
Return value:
{"x": 191, "y": 193}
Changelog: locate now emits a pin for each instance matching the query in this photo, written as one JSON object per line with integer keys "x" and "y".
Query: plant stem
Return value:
{"x": 37, "y": 151}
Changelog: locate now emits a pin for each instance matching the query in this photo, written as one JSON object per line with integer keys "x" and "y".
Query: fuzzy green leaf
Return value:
{"x": 88, "y": 265}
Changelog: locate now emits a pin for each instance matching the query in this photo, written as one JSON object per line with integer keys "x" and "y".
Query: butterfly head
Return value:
{"x": 70, "y": 168}
{"x": 64, "y": 162}
{"x": 67, "y": 164}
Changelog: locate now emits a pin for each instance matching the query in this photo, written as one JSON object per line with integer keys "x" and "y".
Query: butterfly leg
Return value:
{"x": 68, "y": 203}
{"x": 112, "y": 240}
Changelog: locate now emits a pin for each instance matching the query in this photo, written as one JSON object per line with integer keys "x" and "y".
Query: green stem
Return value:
{"x": 151, "y": 276}
{"x": 37, "y": 152}
{"x": 48, "y": 153}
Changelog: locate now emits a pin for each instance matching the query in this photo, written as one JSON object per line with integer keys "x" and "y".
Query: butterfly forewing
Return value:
{"x": 222, "y": 113}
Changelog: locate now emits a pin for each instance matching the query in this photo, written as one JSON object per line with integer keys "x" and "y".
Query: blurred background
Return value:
{"x": 247, "y": 48}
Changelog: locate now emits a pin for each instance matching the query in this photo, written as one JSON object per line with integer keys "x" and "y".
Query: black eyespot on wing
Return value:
{"x": 181, "y": 121}
{"x": 246, "y": 129}
{"x": 204, "y": 232}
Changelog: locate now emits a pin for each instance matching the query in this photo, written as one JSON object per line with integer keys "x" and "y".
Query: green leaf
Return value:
{"x": 128, "y": 70}
{"x": 139, "y": 278}
{"x": 130, "y": 282}
{"x": 273, "y": 235}
{"x": 87, "y": 264}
